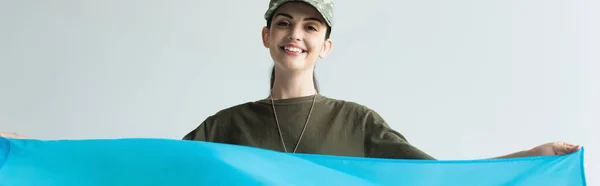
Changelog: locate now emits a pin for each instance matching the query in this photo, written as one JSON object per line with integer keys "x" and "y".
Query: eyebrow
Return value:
{"x": 306, "y": 19}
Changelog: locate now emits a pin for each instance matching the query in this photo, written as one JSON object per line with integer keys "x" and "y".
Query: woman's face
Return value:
{"x": 296, "y": 37}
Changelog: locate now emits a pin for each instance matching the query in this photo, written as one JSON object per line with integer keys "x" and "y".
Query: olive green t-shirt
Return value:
{"x": 336, "y": 127}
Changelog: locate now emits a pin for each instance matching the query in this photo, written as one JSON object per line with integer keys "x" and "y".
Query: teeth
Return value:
{"x": 292, "y": 49}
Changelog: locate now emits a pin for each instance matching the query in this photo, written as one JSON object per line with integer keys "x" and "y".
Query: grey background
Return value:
{"x": 461, "y": 79}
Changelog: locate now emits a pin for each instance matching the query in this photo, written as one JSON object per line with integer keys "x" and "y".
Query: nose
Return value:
{"x": 296, "y": 34}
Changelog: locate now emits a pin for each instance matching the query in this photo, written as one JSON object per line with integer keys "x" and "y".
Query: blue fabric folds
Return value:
{"x": 148, "y": 162}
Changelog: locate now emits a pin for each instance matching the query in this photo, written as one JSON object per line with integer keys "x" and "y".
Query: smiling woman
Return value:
{"x": 295, "y": 117}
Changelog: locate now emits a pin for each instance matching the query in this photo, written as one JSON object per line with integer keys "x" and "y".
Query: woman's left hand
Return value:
{"x": 553, "y": 148}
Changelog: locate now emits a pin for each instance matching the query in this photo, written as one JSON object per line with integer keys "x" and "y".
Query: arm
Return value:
{"x": 198, "y": 134}
{"x": 548, "y": 149}
{"x": 206, "y": 131}
{"x": 383, "y": 142}
{"x": 519, "y": 154}
{"x": 11, "y": 135}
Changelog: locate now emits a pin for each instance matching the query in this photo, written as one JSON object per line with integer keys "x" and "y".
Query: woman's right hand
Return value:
{"x": 11, "y": 135}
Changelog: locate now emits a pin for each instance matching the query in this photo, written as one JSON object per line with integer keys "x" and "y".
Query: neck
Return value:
{"x": 293, "y": 84}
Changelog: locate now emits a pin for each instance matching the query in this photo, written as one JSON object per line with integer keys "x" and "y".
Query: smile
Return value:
{"x": 292, "y": 50}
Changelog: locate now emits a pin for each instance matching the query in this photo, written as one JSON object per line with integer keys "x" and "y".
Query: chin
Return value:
{"x": 294, "y": 65}
{"x": 290, "y": 62}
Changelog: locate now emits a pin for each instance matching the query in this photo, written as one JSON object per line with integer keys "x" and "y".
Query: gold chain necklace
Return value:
{"x": 303, "y": 129}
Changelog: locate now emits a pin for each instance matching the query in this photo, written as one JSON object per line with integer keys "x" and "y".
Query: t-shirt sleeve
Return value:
{"x": 199, "y": 133}
{"x": 383, "y": 142}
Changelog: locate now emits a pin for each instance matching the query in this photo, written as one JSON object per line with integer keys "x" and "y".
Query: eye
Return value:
{"x": 312, "y": 28}
{"x": 283, "y": 24}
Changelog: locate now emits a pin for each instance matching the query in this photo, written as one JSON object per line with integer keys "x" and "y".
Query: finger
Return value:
{"x": 561, "y": 148}
{"x": 572, "y": 147}
{"x": 576, "y": 148}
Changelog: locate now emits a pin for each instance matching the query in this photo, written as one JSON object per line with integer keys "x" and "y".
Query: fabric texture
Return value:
{"x": 325, "y": 8}
{"x": 335, "y": 127}
{"x": 158, "y": 162}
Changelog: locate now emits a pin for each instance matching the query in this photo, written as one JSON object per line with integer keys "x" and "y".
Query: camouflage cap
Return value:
{"x": 325, "y": 7}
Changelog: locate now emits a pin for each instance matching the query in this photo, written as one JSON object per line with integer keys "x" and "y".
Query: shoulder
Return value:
{"x": 352, "y": 108}
{"x": 334, "y": 102}
{"x": 366, "y": 117}
{"x": 226, "y": 113}
{"x": 204, "y": 131}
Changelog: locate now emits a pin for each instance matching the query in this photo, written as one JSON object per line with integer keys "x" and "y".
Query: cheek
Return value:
{"x": 272, "y": 39}
{"x": 315, "y": 47}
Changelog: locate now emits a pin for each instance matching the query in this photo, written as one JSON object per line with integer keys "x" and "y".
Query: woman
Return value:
{"x": 295, "y": 118}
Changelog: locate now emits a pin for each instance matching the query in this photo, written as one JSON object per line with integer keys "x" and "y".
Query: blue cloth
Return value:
{"x": 147, "y": 162}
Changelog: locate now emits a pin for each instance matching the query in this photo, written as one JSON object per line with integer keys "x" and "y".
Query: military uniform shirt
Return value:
{"x": 336, "y": 127}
